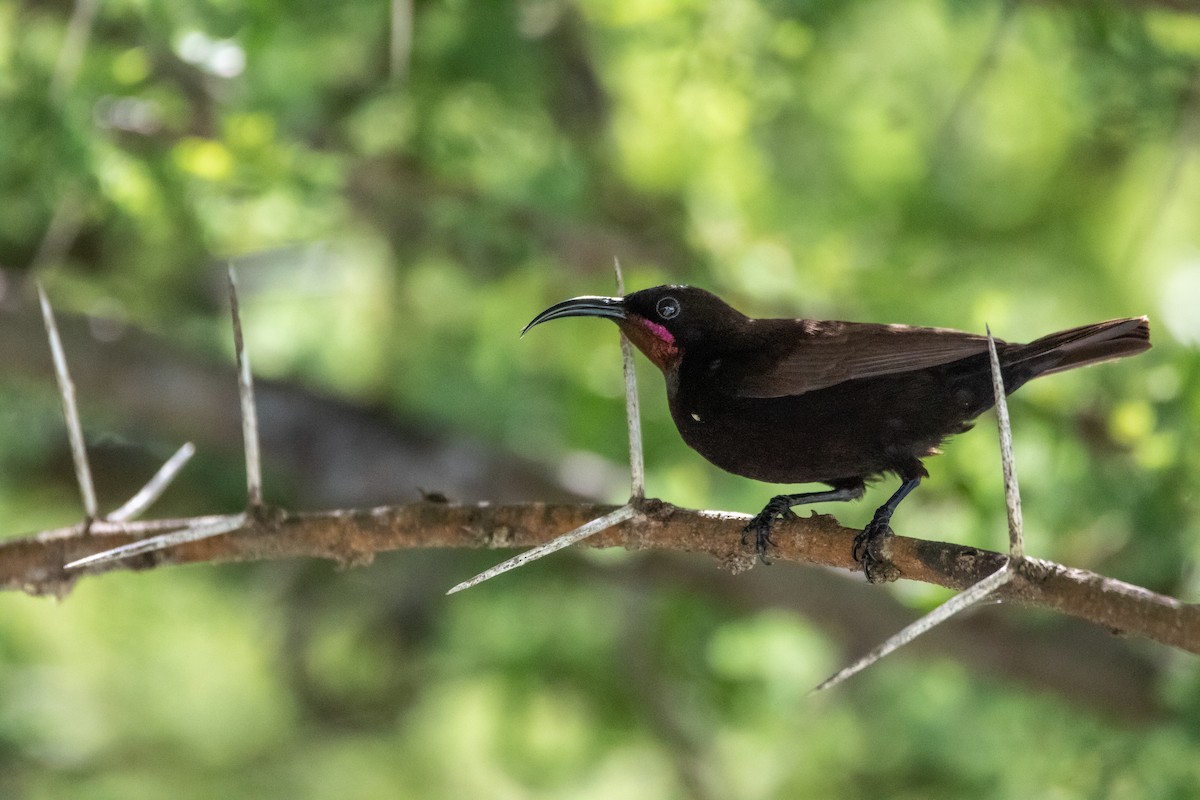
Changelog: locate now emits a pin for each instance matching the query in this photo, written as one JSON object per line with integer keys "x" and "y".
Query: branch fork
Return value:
{"x": 980, "y": 591}
{"x": 191, "y": 531}
{"x": 637, "y": 470}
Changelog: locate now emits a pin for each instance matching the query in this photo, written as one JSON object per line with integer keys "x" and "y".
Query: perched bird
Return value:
{"x": 840, "y": 403}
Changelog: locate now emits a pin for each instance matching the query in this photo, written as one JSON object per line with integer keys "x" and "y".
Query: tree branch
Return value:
{"x": 34, "y": 564}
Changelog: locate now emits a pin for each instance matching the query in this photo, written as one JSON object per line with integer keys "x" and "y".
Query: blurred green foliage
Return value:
{"x": 925, "y": 161}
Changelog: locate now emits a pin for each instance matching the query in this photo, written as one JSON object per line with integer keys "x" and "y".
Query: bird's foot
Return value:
{"x": 763, "y": 521}
{"x": 872, "y": 551}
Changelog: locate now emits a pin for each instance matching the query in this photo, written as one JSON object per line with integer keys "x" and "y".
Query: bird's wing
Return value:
{"x": 829, "y": 353}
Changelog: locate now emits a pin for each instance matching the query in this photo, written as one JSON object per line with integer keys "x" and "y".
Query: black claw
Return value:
{"x": 762, "y": 542}
{"x": 750, "y": 528}
{"x": 761, "y": 524}
{"x": 868, "y": 551}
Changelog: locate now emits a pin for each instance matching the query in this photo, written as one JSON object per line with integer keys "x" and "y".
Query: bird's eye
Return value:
{"x": 668, "y": 307}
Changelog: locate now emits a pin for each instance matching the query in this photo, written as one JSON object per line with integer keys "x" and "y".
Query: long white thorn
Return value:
{"x": 1012, "y": 491}
{"x": 155, "y": 487}
{"x": 162, "y": 541}
{"x": 633, "y": 414}
{"x": 955, "y": 604}
{"x": 582, "y": 532}
{"x": 66, "y": 388}
{"x": 246, "y": 391}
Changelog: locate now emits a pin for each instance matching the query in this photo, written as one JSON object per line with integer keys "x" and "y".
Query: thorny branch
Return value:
{"x": 34, "y": 564}
{"x": 38, "y": 564}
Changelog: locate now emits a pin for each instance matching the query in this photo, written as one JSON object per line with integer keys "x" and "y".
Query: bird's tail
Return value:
{"x": 1088, "y": 344}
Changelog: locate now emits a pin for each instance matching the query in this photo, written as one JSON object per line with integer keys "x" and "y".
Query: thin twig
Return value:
{"x": 61, "y": 230}
{"x": 1183, "y": 148}
{"x": 246, "y": 391}
{"x": 66, "y": 388}
{"x": 138, "y": 504}
{"x": 70, "y": 54}
{"x": 400, "y": 48}
{"x": 633, "y": 414}
{"x": 1012, "y": 492}
{"x": 192, "y": 533}
{"x": 558, "y": 543}
{"x": 943, "y": 140}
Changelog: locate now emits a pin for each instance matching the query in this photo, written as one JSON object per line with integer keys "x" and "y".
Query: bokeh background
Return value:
{"x": 402, "y": 187}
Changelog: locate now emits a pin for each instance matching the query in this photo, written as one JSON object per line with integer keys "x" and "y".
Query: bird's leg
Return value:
{"x": 868, "y": 545}
{"x": 780, "y": 507}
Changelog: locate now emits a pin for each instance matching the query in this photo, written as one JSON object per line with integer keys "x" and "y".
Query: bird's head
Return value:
{"x": 664, "y": 322}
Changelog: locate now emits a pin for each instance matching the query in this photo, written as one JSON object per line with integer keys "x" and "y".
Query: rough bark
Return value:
{"x": 35, "y": 564}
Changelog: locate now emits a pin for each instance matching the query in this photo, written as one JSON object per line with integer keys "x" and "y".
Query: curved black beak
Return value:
{"x": 586, "y": 306}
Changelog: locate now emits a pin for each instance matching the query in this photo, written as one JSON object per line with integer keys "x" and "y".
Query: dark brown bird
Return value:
{"x": 839, "y": 403}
